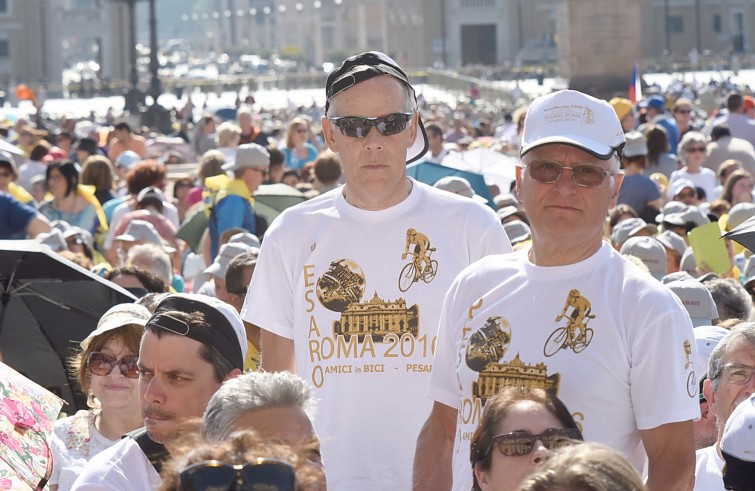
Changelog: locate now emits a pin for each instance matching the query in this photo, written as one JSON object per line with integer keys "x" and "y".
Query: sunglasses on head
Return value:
{"x": 262, "y": 474}
{"x": 519, "y": 443}
{"x": 584, "y": 175}
{"x": 358, "y": 127}
{"x": 102, "y": 364}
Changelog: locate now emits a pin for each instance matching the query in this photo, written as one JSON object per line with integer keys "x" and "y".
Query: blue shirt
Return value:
{"x": 636, "y": 191}
{"x": 231, "y": 211}
{"x": 293, "y": 161}
{"x": 14, "y": 217}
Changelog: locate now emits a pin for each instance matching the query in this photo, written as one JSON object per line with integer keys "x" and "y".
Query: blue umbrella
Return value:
{"x": 226, "y": 113}
{"x": 430, "y": 173}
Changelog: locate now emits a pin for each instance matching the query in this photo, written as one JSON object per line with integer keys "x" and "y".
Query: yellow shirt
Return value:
{"x": 252, "y": 360}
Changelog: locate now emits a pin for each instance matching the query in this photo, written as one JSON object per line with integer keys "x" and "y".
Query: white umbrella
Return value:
{"x": 18, "y": 155}
{"x": 497, "y": 168}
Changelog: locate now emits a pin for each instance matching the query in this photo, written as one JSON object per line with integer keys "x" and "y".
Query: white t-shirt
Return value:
{"x": 74, "y": 442}
{"x": 122, "y": 467}
{"x": 501, "y": 325}
{"x": 709, "y": 470}
{"x": 367, "y": 354}
{"x": 705, "y": 179}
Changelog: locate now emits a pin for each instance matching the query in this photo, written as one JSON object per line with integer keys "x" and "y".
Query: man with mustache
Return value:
{"x": 730, "y": 381}
{"x": 191, "y": 345}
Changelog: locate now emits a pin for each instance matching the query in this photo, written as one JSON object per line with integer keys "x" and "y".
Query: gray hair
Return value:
{"x": 689, "y": 139}
{"x": 153, "y": 258}
{"x": 741, "y": 332}
{"x": 253, "y": 391}
{"x": 410, "y": 100}
{"x": 732, "y": 300}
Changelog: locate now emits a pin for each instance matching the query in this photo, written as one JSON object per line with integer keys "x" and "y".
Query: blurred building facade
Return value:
{"x": 65, "y": 32}
{"x": 417, "y": 33}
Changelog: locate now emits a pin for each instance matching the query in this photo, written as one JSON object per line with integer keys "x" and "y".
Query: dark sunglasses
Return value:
{"x": 683, "y": 111}
{"x": 357, "y": 127}
{"x": 102, "y": 364}
{"x": 520, "y": 443}
{"x": 695, "y": 149}
{"x": 267, "y": 474}
{"x": 584, "y": 175}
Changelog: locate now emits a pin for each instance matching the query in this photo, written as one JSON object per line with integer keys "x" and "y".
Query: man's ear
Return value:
{"x": 327, "y": 131}
{"x": 710, "y": 396}
{"x": 232, "y": 374}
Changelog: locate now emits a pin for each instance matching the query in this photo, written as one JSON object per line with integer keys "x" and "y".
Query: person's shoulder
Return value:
{"x": 493, "y": 265}
{"x": 113, "y": 461}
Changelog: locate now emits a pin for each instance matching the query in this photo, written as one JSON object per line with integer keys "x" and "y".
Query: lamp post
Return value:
{"x": 154, "y": 83}
{"x": 133, "y": 97}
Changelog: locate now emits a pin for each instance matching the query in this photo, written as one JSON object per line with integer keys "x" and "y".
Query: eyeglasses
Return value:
{"x": 357, "y": 127}
{"x": 520, "y": 443}
{"x": 683, "y": 111}
{"x": 264, "y": 172}
{"x": 734, "y": 374}
{"x": 584, "y": 175}
{"x": 102, "y": 364}
{"x": 695, "y": 149}
{"x": 267, "y": 474}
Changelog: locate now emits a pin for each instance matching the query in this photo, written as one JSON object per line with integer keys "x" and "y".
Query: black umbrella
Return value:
{"x": 47, "y": 306}
{"x": 744, "y": 233}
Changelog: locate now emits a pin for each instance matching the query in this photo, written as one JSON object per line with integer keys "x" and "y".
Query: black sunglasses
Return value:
{"x": 520, "y": 443}
{"x": 358, "y": 127}
{"x": 99, "y": 363}
{"x": 213, "y": 475}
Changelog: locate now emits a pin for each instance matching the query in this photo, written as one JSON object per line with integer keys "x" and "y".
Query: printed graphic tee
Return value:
{"x": 360, "y": 294}
{"x": 605, "y": 337}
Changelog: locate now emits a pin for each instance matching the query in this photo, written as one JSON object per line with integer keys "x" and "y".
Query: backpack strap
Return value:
{"x": 155, "y": 452}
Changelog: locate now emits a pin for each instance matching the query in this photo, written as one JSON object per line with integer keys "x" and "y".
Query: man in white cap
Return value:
{"x": 231, "y": 207}
{"x": 706, "y": 338}
{"x": 334, "y": 294}
{"x": 730, "y": 382}
{"x": 570, "y": 315}
{"x": 191, "y": 345}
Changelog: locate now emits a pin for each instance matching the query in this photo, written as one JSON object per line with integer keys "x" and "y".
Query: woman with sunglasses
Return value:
{"x": 106, "y": 372}
{"x": 298, "y": 149}
{"x": 518, "y": 429}
{"x": 692, "y": 152}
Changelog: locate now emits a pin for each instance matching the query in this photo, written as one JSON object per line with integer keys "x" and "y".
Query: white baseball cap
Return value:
{"x": 124, "y": 314}
{"x": 697, "y": 299}
{"x": 227, "y": 252}
{"x": 573, "y": 118}
{"x": 706, "y": 338}
{"x": 738, "y": 446}
{"x": 458, "y": 185}
{"x": 648, "y": 250}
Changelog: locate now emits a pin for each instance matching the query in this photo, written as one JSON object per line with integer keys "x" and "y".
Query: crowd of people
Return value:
{"x": 388, "y": 333}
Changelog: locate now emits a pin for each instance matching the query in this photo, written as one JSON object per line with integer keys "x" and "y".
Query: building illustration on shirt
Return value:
{"x": 341, "y": 288}
{"x": 378, "y": 318}
{"x": 516, "y": 373}
{"x": 485, "y": 351}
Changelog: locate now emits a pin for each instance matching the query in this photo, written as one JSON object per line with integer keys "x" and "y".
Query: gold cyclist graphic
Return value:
{"x": 414, "y": 271}
{"x": 568, "y": 336}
